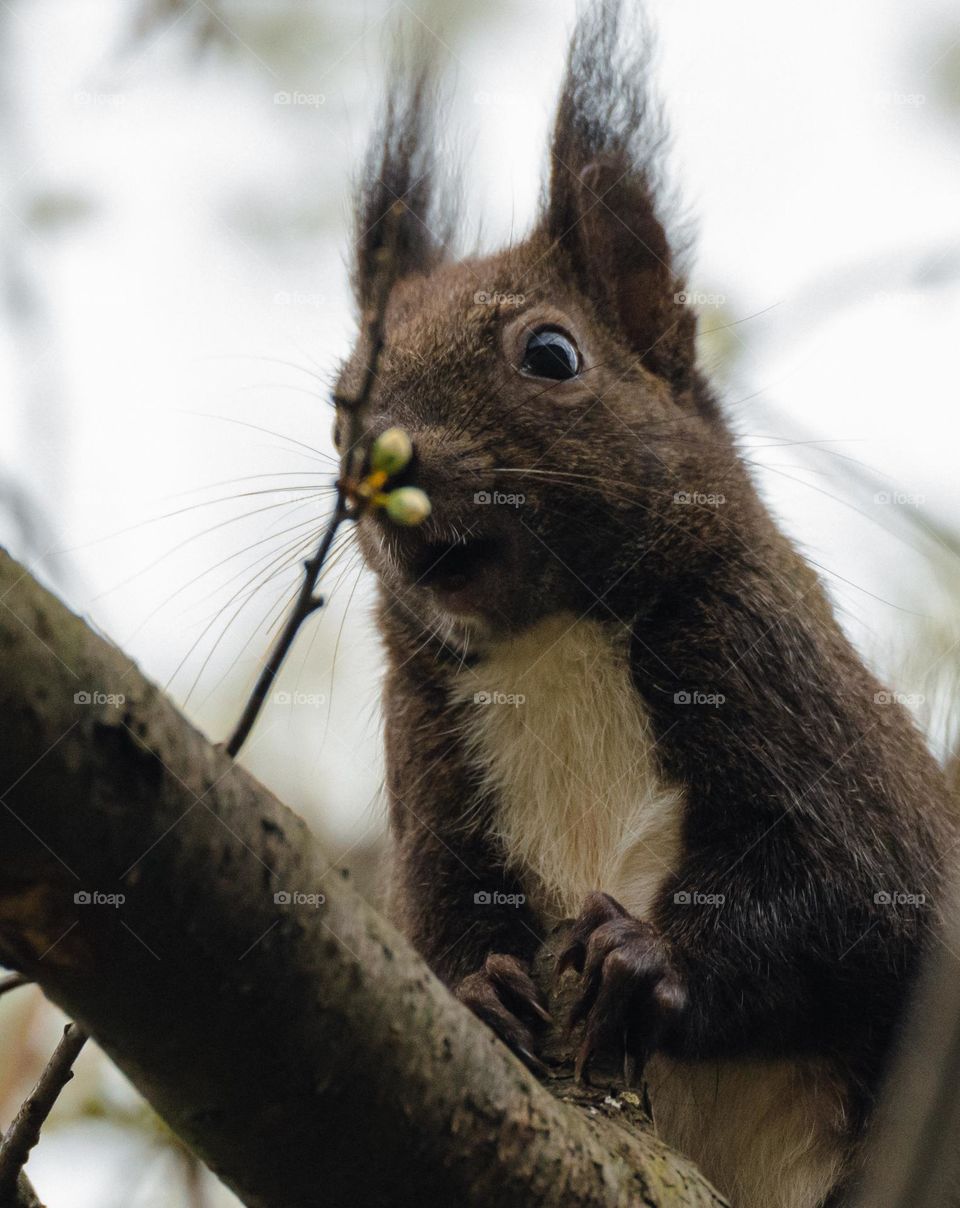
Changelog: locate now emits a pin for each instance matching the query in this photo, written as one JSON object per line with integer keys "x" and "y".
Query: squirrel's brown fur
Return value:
{"x": 779, "y": 846}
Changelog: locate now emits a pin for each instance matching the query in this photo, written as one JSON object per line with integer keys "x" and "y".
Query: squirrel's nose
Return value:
{"x": 442, "y": 461}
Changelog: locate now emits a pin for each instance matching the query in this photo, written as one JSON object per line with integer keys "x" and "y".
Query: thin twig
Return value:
{"x": 12, "y": 982}
{"x": 354, "y": 407}
{"x": 24, "y": 1132}
{"x": 26, "y": 1196}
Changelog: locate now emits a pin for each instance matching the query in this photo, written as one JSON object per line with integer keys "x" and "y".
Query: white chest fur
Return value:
{"x": 563, "y": 739}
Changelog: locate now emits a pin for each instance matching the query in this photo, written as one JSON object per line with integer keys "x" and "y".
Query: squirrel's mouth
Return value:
{"x": 472, "y": 579}
{"x": 461, "y": 573}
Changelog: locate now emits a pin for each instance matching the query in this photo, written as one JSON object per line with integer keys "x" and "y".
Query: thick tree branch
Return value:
{"x": 168, "y": 903}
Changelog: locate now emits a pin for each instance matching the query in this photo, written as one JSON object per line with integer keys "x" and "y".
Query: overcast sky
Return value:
{"x": 194, "y": 268}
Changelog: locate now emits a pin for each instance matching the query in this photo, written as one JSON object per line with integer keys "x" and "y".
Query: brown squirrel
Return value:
{"x": 615, "y": 691}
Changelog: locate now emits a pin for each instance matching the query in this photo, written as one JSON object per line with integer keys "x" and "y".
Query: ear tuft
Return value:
{"x": 607, "y": 197}
{"x": 400, "y": 175}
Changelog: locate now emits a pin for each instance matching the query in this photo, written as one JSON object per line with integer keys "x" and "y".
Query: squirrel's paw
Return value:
{"x": 632, "y": 993}
{"x": 504, "y": 996}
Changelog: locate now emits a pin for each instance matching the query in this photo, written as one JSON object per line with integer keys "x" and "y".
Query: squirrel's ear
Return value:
{"x": 623, "y": 261}
{"x": 605, "y": 198}
{"x": 400, "y": 167}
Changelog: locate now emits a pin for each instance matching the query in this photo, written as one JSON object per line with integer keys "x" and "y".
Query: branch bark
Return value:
{"x": 172, "y": 907}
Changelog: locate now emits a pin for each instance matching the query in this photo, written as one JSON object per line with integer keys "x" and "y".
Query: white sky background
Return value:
{"x": 198, "y": 268}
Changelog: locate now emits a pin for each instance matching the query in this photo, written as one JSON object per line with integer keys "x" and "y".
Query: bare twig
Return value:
{"x": 26, "y": 1196}
{"x": 353, "y": 407}
{"x": 12, "y": 982}
{"x": 24, "y": 1132}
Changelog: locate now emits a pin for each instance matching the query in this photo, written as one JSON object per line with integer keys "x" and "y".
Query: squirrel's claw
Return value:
{"x": 505, "y": 997}
{"x": 631, "y": 995}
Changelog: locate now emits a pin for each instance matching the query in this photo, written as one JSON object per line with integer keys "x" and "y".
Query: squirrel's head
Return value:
{"x": 550, "y": 391}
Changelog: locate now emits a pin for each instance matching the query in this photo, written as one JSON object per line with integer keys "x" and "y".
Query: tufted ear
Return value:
{"x": 400, "y": 167}
{"x": 606, "y": 195}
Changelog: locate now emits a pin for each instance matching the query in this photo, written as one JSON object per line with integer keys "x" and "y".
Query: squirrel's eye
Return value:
{"x": 551, "y": 354}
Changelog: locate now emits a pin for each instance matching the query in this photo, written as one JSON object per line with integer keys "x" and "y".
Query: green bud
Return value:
{"x": 408, "y": 505}
{"x": 391, "y": 451}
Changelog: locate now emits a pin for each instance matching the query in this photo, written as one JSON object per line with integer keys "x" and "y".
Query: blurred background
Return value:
{"x": 175, "y": 180}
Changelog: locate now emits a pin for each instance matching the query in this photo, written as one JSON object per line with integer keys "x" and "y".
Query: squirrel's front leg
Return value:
{"x": 633, "y": 993}
{"x": 452, "y": 895}
{"x": 468, "y": 920}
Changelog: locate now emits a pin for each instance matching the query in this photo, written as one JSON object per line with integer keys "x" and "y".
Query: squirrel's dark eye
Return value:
{"x": 551, "y": 354}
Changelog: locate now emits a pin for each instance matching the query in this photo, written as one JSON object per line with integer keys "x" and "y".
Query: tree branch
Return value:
{"x": 286, "y": 1033}
{"x": 24, "y": 1132}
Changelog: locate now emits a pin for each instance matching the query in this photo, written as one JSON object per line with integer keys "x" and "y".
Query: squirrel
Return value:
{"x": 615, "y": 692}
